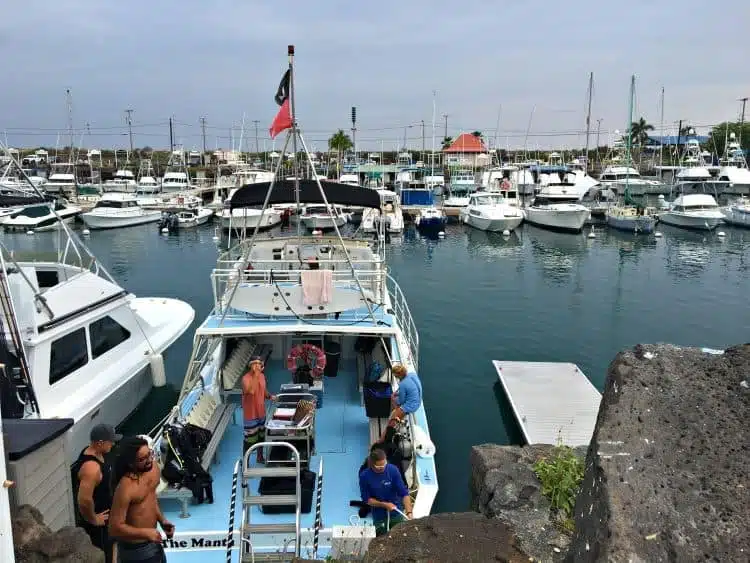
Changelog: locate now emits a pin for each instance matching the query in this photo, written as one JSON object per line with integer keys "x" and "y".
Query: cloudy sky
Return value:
{"x": 480, "y": 61}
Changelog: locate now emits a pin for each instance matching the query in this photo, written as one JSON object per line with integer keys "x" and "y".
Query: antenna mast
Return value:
{"x": 588, "y": 122}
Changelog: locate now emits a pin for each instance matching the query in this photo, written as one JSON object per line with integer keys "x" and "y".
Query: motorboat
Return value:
{"x": 693, "y": 211}
{"x": 62, "y": 179}
{"x": 123, "y": 181}
{"x": 194, "y": 217}
{"x": 389, "y": 212}
{"x": 327, "y": 361}
{"x": 40, "y": 216}
{"x": 147, "y": 182}
{"x": 116, "y": 210}
{"x": 738, "y": 213}
{"x": 430, "y": 219}
{"x": 176, "y": 177}
{"x": 77, "y": 344}
{"x": 246, "y": 218}
{"x": 556, "y": 207}
{"x": 320, "y": 218}
{"x": 492, "y": 211}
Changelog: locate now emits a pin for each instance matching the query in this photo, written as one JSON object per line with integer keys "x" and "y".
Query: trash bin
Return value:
{"x": 333, "y": 357}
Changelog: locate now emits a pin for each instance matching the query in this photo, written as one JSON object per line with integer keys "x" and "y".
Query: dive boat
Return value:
{"x": 328, "y": 322}
{"x": 492, "y": 211}
{"x": 40, "y": 217}
{"x": 78, "y": 344}
{"x": 116, "y": 209}
{"x": 693, "y": 211}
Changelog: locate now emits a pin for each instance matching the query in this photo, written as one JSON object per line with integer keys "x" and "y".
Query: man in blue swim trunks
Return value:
{"x": 409, "y": 395}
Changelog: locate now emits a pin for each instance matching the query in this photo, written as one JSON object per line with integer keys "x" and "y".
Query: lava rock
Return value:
{"x": 667, "y": 473}
{"x": 503, "y": 485}
{"x": 34, "y": 542}
{"x": 448, "y": 537}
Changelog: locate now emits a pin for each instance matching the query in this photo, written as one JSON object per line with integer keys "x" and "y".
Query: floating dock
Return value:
{"x": 551, "y": 401}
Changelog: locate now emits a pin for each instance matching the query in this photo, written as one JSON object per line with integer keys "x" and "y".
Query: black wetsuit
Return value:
{"x": 148, "y": 552}
{"x": 102, "y": 501}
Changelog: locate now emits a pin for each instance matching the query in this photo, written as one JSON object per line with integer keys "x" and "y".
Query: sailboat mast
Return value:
{"x": 588, "y": 122}
{"x": 661, "y": 126}
{"x": 629, "y": 140}
{"x": 69, "y": 101}
{"x": 292, "y": 108}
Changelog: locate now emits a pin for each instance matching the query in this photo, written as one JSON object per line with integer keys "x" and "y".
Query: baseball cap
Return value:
{"x": 104, "y": 433}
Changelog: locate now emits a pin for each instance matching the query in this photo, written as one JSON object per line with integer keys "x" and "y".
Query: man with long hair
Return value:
{"x": 135, "y": 509}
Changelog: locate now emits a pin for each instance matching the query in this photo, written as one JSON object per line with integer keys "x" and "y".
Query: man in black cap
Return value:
{"x": 93, "y": 476}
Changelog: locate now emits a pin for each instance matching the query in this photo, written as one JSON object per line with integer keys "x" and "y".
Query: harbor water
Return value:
{"x": 476, "y": 296}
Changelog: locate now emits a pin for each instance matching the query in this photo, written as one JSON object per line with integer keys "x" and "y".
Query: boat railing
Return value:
{"x": 403, "y": 318}
{"x": 369, "y": 275}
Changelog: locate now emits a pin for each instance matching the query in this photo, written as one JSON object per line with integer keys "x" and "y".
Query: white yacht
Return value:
{"x": 116, "y": 210}
{"x": 318, "y": 217}
{"x": 147, "y": 182}
{"x": 62, "y": 179}
{"x": 734, "y": 169}
{"x": 390, "y": 210}
{"x": 81, "y": 346}
{"x": 492, "y": 211}
{"x": 556, "y": 207}
{"x": 738, "y": 213}
{"x": 176, "y": 177}
{"x": 693, "y": 211}
{"x": 39, "y": 217}
{"x": 123, "y": 181}
{"x": 245, "y": 218}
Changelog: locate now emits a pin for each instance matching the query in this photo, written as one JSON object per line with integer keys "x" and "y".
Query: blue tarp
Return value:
{"x": 672, "y": 139}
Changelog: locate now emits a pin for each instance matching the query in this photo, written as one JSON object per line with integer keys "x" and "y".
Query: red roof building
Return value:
{"x": 466, "y": 143}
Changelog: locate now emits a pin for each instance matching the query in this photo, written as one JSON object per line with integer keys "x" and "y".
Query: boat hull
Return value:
{"x": 431, "y": 224}
{"x": 737, "y": 216}
{"x": 691, "y": 221}
{"x": 642, "y": 224}
{"x": 242, "y": 222}
{"x": 570, "y": 218}
{"x": 95, "y": 221}
{"x": 46, "y": 224}
{"x": 493, "y": 224}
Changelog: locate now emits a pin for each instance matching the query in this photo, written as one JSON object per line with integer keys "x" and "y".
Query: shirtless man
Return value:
{"x": 135, "y": 508}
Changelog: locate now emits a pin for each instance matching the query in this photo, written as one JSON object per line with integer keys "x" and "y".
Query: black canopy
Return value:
{"x": 283, "y": 192}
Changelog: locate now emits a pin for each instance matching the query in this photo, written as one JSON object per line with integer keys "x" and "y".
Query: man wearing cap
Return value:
{"x": 93, "y": 477}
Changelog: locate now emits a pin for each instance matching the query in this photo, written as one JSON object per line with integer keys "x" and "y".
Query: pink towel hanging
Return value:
{"x": 317, "y": 287}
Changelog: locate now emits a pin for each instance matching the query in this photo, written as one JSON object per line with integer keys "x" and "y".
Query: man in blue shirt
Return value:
{"x": 409, "y": 395}
{"x": 383, "y": 489}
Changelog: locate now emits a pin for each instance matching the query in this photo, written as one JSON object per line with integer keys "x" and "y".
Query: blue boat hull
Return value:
{"x": 432, "y": 224}
{"x": 643, "y": 224}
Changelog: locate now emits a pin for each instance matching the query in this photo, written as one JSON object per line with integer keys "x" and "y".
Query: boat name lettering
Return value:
{"x": 194, "y": 542}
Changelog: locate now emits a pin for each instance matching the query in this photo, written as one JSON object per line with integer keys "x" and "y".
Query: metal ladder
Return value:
{"x": 250, "y": 500}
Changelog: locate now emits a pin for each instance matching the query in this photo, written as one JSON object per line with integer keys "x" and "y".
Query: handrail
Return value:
{"x": 404, "y": 318}
{"x": 232, "y": 510}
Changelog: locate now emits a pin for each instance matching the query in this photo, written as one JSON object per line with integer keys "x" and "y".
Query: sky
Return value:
{"x": 521, "y": 64}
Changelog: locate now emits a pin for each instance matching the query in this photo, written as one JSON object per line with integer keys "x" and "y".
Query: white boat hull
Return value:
{"x": 95, "y": 220}
{"x": 250, "y": 221}
{"x": 47, "y": 223}
{"x": 493, "y": 224}
{"x": 739, "y": 216}
{"x": 322, "y": 223}
{"x": 700, "y": 222}
{"x": 200, "y": 219}
{"x": 562, "y": 216}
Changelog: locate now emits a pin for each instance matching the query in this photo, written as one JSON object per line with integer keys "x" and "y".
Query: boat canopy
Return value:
{"x": 283, "y": 192}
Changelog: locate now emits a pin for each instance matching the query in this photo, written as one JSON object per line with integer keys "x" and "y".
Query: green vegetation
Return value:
{"x": 722, "y": 131}
{"x": 639, "y": 132}
{"x": 561, "y": 474}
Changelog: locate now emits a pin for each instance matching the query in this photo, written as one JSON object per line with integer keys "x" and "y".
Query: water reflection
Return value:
{"x": 688, "y": 253}
{"x": 558, "y": 254}
{"x": 492, "y": 246}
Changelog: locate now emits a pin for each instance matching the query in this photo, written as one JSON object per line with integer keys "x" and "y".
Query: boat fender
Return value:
{"x": 158, "y": 373}
{"x": 423, "y": 446}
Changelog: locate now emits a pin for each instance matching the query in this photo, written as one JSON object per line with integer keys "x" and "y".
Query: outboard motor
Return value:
{"x": 173, "y": 223}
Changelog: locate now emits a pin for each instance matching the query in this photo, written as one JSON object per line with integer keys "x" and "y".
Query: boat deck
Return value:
{"x": 342, "y": 440}
{"x": 552, "y": 402}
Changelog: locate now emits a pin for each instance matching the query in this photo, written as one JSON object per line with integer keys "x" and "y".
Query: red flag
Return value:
{"x": 282, "y": 121}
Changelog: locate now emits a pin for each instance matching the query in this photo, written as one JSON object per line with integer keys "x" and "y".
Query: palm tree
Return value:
{"x": 639, "y": 132}
{"x": 447, "y": 142}
{"x": 339, "y": 142}
{"x": 477, "y": 134}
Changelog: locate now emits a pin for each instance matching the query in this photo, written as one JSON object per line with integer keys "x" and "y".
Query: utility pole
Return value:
{"x": 129, "y": 119}
{"x": 588, "y": 120}
{"x": 257, "y": 149}
{"x": 742, "y": 118}
{"x": 445, "y": 117}
{"x": 203, "y": 132}
{"x": 171, "y": 138}
{"x": 423, "y": 147}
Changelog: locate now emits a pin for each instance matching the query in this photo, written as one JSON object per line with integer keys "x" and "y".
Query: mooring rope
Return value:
{"x": 232, "y": 504}
{"x": 318, "y": 520}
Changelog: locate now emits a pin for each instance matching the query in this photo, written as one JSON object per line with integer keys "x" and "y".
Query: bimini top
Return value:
{"x": 283, "y": 192}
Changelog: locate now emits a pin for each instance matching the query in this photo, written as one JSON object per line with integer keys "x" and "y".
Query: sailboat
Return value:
{"x": 630, "y": 216}
{"x": 329, "y": 404}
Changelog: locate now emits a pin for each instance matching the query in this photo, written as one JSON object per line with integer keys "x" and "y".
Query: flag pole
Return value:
{"x": 292, "y": 108}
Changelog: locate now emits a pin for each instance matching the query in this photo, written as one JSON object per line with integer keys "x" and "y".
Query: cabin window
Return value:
{"x": 67, "y": 354}
{"x": 106, "y": 333}
{"x": 47, "y": 278}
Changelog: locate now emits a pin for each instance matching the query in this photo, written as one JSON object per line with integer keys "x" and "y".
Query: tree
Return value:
{"x": 685, "y": 130}
{"x": 639, "y": 132}
{"x": 477, "y": 134}
{"x": 447, "y": 142}
{"x": 721, "y": 132}
{"x": 339, "y": 142}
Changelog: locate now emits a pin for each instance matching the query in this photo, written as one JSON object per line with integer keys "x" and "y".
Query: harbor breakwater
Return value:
{"x": 666, "y": 476}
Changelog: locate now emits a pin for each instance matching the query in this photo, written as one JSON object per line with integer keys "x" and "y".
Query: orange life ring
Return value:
{"x": 311, "y": 355}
